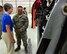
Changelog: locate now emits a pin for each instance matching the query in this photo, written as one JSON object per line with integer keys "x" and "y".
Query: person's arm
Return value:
{"x": 15, "y": 26}
{"x": 27, "y": 23}
{"x": 25, "y": 26}
{"x": 10, "y": 34}
{"x": 14, "y": 21}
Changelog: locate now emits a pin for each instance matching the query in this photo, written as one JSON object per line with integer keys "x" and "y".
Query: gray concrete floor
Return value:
{"x": 32, "y": 34}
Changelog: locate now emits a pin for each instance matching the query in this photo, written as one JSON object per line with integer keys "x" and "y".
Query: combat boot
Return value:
{"x": 17, "y": 49}
{"x": 0, "y": 38}
{"x": 26, "y": 50}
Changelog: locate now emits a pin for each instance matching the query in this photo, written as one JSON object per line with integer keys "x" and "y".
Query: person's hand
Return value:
{"x": 17, "y": 30}
{"x": 13, "y": 41}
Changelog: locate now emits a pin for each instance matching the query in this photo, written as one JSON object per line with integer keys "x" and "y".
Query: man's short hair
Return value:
{"x": 7, "y": 6}
{"x": 20, "y": 7}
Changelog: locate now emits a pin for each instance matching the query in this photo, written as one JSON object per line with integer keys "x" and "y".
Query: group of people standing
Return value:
{"x": 19, "y": 23}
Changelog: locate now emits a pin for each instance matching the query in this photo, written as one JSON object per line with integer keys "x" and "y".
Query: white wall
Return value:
{"x": 25, "y": 3}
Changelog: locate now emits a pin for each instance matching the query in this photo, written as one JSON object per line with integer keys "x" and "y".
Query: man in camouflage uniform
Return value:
{"x": 21, "y": 25}
{"x": 1, "y": 13}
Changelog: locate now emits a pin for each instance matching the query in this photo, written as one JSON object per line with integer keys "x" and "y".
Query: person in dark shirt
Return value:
{"x": 25, "y": 12}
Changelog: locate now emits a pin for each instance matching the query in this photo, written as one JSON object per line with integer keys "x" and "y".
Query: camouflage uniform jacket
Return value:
{"x": 20, "y": 22}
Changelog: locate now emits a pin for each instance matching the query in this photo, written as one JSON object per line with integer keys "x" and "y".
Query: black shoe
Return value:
{"x": 17, "y": 49}
{"x": 0, "y": 38}
{"x": 26, "y": 51}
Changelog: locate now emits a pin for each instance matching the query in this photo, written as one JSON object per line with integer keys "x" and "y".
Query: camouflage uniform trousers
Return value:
{"x": 22, "y": 36}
